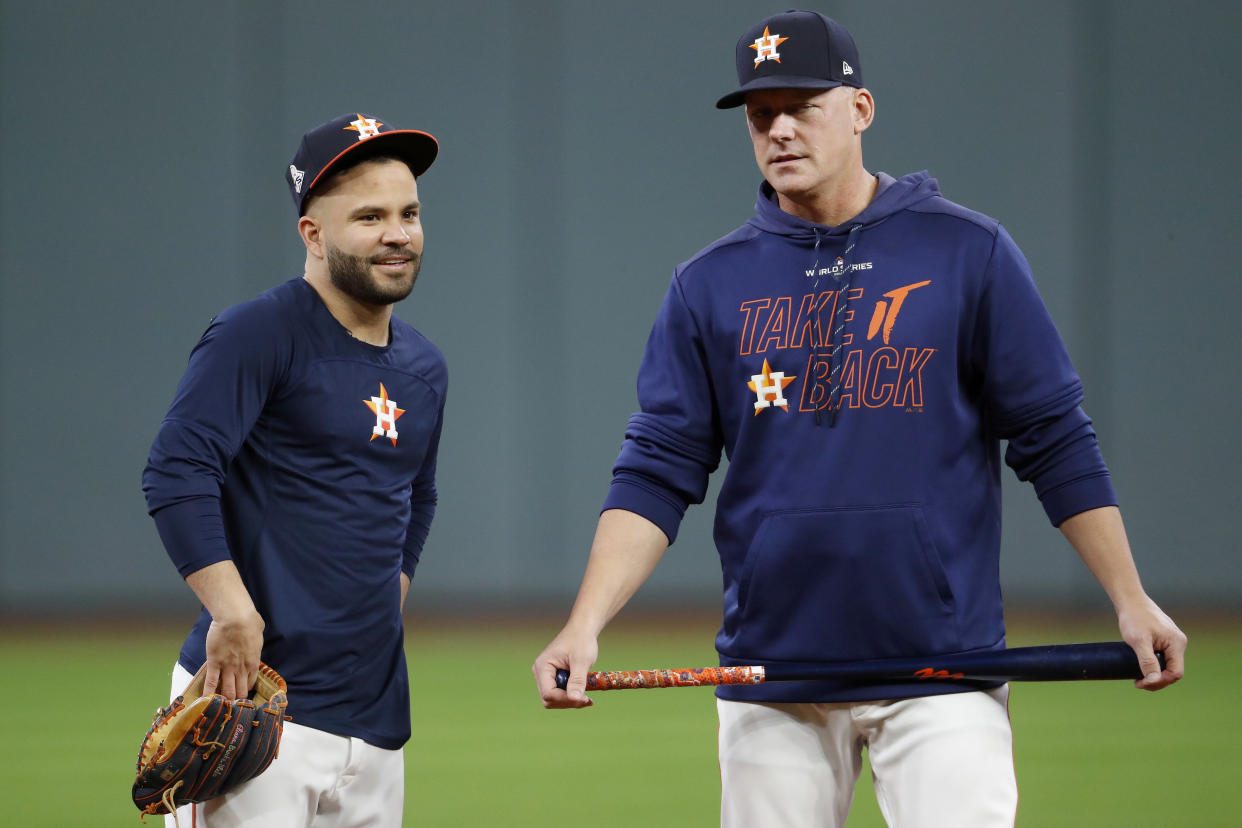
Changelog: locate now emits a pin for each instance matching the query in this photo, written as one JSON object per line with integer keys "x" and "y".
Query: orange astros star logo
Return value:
{"x": 386, "y": 415}
{"x": 765, "y": 47}
{"x": 769, "y": 388}
{"x": 365, "y": 127}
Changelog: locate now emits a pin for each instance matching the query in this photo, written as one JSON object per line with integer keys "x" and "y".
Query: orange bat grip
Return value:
{"x": 691, "y": 677}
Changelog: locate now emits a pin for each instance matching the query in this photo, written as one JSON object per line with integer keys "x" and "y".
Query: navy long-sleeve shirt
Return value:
{"x": 308, "y": 458}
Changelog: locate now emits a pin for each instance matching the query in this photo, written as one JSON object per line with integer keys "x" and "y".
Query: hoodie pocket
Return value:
{"x": 831, "y": 584}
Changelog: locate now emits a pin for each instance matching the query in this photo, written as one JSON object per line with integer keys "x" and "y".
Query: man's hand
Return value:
{"x": 626, "y": 548}
{"x": 568, "y": 651}
{"x": 233, "y": 649}
{"x": 1146, "y": 628}
{"x": 235, "y": 637}
{"x": 1099, "y": 537}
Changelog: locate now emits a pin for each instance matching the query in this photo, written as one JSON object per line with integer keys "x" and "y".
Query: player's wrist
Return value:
{"x": 1130, "y": 599}
{"x": 584, "y": 625}
{"x": 241, "y": 616}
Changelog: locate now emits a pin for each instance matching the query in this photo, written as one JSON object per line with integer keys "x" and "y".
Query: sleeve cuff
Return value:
{"x": 409, "y": 562}
{"x": 633, "y": 496}
{"x": 1080, "y": 495}
{"x": 193, "y": 533}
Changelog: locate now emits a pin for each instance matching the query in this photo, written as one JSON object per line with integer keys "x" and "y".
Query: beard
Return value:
{"x": 352, "y": 276}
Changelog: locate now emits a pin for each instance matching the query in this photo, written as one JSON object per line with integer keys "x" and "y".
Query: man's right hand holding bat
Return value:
{"x": 626, "y": 549}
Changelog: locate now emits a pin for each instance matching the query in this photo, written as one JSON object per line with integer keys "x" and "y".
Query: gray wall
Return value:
{"x": 141, "y": 155}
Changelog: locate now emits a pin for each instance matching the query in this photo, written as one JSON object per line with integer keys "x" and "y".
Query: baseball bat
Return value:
{"x": 1051, "y": 662}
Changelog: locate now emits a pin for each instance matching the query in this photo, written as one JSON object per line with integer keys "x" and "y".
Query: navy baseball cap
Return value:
{"x": 797, "y": 49}
{"x": 326, "y": 144}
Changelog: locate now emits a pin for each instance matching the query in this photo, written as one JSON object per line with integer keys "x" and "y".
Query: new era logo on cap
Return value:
{"x": 327, "y": 144}
{"x": 797, "y": 49}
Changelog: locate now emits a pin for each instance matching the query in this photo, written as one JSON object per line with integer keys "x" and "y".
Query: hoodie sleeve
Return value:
{"x": 673, "y": 444}
{"x": 1032, "y": 393}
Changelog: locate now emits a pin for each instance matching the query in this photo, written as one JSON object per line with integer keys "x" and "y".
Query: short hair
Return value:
{"x": 354, "y": 159}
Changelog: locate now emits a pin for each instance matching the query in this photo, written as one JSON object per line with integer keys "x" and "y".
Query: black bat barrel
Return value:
{"x": 1055, "y": 662}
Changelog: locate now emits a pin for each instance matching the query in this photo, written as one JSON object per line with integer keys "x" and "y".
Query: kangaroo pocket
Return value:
{"x": 851, "y": 583}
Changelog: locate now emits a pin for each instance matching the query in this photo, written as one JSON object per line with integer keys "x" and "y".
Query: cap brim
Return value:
{"x": 738, "y": 97}
{"x": 418, "y": 149}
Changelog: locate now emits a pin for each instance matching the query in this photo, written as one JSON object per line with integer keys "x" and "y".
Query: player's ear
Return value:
{"x": 311, "y": 231}
{"x": 864, "y": 110}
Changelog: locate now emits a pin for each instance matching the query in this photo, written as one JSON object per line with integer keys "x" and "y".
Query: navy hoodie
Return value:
{"x": 871, "y": 530}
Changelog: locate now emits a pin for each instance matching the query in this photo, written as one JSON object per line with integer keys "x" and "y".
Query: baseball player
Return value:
{"x": 293, "y": 485}
{"x": 858, "y": 349}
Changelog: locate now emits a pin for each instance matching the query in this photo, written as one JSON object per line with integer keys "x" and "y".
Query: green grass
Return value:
{"x": 485, "y": 752}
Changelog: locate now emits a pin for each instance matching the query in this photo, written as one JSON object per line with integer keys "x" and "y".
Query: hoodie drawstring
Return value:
{"x": 836, "y": 358}
{"x": 816, "y": 335}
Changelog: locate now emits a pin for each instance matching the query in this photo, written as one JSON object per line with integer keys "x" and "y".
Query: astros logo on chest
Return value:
{"x": 386, "y": 415}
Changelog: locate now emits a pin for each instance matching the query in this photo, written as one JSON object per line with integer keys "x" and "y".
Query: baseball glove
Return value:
{"x": 200, "y": 747}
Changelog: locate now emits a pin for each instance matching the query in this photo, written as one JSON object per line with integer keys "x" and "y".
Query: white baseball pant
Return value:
{"x": 936, "y": 761}
{"x": 319, "y": 779}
